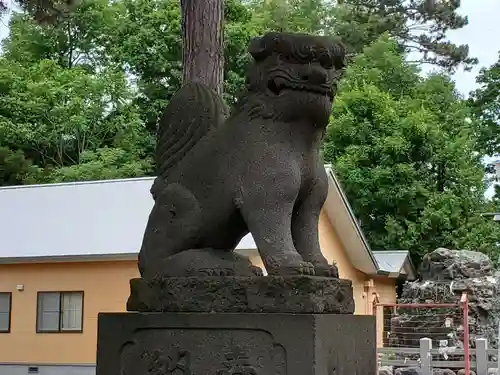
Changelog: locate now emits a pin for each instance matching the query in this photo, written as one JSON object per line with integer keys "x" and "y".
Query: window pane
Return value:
{"x": 71, "y": 318}
{"x": 4, "y": 322}
{"x": 4, "y": 302}
{"x": 48, "y": 311}
{"x": 48, "y": 321}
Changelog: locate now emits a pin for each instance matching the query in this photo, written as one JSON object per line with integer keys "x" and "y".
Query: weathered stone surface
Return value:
{"x": 418, "y": 371}
{"x": 443, "y": 372}
{"x": 247, "y": 344}
{"x": 437, "y": 286}
{"x": 385, "y": 370}
{"x": 259, "y": 171}
{"x": 408, "y": 371}
{"x": 444, "y": 264}
{"x": 292, "y": 294}
{"x": 462, "y": 372}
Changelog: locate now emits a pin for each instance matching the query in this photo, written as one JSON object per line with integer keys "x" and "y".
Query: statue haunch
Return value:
{"x": 257, "y": 171}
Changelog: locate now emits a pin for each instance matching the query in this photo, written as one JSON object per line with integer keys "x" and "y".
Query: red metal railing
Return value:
{"x": 415, "y": 314}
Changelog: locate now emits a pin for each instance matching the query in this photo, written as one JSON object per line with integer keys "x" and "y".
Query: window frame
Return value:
{"x": 9, "y": 322}
{"x": 59, "y": 328}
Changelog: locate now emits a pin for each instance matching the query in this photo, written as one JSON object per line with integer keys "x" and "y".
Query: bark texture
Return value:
{"x": 203, "y": 49}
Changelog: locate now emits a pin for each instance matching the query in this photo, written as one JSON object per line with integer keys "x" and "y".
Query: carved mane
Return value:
{"x": 192, "y": 112}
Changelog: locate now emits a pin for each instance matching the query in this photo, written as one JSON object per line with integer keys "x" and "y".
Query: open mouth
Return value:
{"x": 278, "y": 88}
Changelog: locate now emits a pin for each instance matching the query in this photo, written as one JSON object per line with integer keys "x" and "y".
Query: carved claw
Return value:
{"x": 225, "y": 272}
{"x": 302, "y": 268}
{"x": 308, "y": 269}
{"x": 257, "y": 271}
{"x": 327, "y": 270}
{"x": 216, "y": 272}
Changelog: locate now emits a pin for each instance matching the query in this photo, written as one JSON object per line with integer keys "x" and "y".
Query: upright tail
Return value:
{"x": 192, "y": 112}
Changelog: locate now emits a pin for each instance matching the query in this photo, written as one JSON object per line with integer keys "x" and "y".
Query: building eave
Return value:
{"x": 75, "y": 183}
{"x": 349, "y": 232}
{"x": 80, "y": 258}
{"x": 398, "y": 268}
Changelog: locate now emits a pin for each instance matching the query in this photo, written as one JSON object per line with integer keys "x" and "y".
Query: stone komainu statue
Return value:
{"x": 257, "y": 171}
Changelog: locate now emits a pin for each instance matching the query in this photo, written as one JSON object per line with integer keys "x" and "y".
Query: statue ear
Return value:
{"x": 257, "y": 49}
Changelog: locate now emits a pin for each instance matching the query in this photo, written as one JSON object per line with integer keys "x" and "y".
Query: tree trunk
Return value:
{"x": 203, "y": 49}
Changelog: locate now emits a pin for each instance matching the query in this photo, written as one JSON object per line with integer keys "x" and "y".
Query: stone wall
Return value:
{"x": 444, "y": 276}
{"x": 417, "y": 371}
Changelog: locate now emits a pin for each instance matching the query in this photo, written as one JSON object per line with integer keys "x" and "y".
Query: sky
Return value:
{"x": 482, "y": 34}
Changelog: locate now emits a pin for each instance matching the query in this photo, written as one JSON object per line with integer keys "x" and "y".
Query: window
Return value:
{"x": 5, "y": 303}
{"x": 60, "y": 312}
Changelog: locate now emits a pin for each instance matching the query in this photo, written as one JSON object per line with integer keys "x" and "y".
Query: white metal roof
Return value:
{"x": 395, "y": 262}
{"x": 82, "y": 218}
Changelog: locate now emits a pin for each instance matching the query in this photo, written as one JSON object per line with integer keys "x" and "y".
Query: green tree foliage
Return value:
{"x": 78, "y": 39}
{"x": 419, "y": 26}
{"x": 62, "y": 116}
{"x": 67, "y": 108}
{"x": 310, "y": 16}
{"x": 147, "y": 43}
{"x": 402, "y": 146}
{"x": 144, "y": 37}
{"x": 15, "y": 169}
{"x": 485, "y": 102}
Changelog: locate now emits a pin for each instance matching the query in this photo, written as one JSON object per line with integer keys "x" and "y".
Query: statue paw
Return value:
{"x": 301, "y": 268}
{"x": 257, "y": 271}
{"x": 327, "y": 270}
{"x": 307, "y": 268}
{"x": 216, "y": 272}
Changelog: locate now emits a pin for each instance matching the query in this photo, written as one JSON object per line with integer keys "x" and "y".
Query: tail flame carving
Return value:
{"x": 191, "y": 114}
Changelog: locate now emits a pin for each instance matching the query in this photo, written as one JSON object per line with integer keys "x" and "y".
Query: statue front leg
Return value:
{"x": 268, "y": 215}
{"x": 305, "y": 229}
{"x": 273, "y": 237}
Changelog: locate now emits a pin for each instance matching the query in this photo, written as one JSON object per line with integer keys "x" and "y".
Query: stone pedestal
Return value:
{"x": 237, "y": 326}
{"x": 264, "y": 294}
{"x": 230, "y": 344}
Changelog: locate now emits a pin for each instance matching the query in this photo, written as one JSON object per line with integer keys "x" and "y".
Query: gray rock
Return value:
{"x": 408, "y": 371}
{"x": 440, "y": 371}
{"x": 446, "y": 275}
{"x": 444, "y": 264}
{"x": 265, "y": 294}
{"x": 385, "y": 370}
{"x": 462, "y": 372}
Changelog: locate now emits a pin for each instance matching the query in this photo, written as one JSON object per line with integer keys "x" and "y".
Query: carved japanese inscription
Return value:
{"x": 237, "y": 362}
{"x": 173, "y": 362}
{"x": 195, "y": 351}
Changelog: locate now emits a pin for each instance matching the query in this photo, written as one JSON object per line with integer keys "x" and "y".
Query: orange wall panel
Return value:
{"x": 106, "y": 288}
{"x": 333, "y": 251}
{"x": 386, "y": 293}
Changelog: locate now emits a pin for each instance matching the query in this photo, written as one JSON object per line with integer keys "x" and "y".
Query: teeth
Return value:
{"x": 303, "y": 87}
